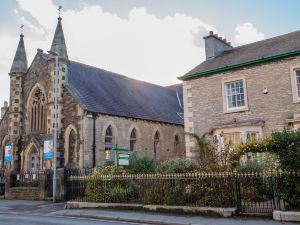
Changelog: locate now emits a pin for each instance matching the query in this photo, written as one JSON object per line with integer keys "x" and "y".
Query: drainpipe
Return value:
{"x": 94, "y": 139}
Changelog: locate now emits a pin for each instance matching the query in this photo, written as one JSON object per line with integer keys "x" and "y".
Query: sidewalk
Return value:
{"x": 162, "y": 219}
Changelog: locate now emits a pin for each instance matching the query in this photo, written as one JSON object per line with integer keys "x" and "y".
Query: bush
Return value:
{"x": 178, "y": 165}
{"x": 285, "y": 144}
{"x": 250, "y": 166}
{"x": 141, "y": 165}
{"x": 102, "y": 188}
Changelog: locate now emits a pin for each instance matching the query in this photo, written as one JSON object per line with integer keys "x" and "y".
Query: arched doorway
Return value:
{"x": 71, "y": 148}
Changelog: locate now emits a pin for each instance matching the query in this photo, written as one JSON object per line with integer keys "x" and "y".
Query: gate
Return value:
{"x": 75, "y": 188}
{"x": 255, "y": 193}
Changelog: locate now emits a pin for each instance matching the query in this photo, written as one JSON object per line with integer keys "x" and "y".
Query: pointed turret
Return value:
{"x": 19, "y": 64}
{"x": 58, "y": 43}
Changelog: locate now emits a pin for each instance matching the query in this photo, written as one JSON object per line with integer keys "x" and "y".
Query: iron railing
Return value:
{"x": 25, "y": 179}
{"x": 249, "y": 192}
{"x": 49, "y": 182}
{"x": 2, "y": 181}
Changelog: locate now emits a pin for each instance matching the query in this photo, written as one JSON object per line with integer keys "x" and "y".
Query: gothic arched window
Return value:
{"x": 33, "y": 160}
{"x": 108, "y": 143}
{"x": 176, "y": 144}
{"x": 133, "y": 140}
{"x": 38, "y": 111}
{"x": 72, "y": 146}
{"x": 156, "y": 145}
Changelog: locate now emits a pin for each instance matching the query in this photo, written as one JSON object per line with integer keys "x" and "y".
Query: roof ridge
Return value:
{"x": 120, "y": 75}
{"x": 268, "y": 39}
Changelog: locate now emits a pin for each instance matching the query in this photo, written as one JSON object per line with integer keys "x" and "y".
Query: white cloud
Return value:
{"x": 247, "y": 33}
{"x": 141, "y": 46}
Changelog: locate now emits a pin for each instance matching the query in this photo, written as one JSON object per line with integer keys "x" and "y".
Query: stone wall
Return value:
{"x": 121, "y": 128}
{"x": 38, "y": 73}
{"x": 203, "y": 100}
{"x": 25, "y": 193}
{"x": 72, "y": 115}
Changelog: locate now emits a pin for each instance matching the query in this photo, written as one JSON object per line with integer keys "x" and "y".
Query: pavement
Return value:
{"x": 39, "y": 212}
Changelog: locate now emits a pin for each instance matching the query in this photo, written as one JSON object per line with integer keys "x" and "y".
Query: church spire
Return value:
{"x": 58, "y": 43}
{"x": 20, "y": 61}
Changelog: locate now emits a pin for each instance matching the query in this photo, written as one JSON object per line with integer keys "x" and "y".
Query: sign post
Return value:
{"x": 122, "y": 156}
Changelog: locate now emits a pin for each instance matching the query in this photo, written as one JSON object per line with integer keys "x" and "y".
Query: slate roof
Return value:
{"x": 105, "y": 92}
{"x": 270, "y": 47}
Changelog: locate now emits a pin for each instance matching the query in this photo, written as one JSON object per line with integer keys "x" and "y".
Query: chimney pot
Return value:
{"x": 211, "y": 33}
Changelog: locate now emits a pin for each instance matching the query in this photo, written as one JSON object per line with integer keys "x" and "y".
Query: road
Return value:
{"x": 18, "y": 212}
{"x": 17, "y": 219}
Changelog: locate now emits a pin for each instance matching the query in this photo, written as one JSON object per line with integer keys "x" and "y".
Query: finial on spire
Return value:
{"x": 21, "y": 30}
{"x": 59, "y": 11}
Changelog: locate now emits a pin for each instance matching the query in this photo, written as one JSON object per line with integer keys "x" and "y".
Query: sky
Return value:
{"x": 150, "y": 40}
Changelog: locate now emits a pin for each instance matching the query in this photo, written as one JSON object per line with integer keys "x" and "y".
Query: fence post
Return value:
{"x": 237, "y": 190}
{"x": 60, "y": 173}
{"x": 9, "y": 180}
{"x": 42, "y": 184}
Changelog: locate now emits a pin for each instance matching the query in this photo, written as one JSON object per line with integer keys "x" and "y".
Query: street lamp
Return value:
{"x": 55, "y": 130}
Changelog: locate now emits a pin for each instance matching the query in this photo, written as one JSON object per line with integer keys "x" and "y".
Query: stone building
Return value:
{"x": 97, "y": 109}
{"x": 244, "y": 92}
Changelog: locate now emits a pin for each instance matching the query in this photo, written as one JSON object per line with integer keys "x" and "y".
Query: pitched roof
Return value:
{"x": 101, "y": 91}
{"x": 258, "y": 50}
{"x": 20, "y": 60}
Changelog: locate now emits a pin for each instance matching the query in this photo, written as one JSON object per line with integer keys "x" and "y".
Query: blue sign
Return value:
{"x": 48, "y": 150}
{"x": 8, "y": 153}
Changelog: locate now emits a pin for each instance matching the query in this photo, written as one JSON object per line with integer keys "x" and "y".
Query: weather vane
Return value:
{"x": 59, "y": 10}
{"x": 22, "y": 28}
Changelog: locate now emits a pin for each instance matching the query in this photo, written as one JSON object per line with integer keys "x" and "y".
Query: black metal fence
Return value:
{"x": 25, "y": 179}
{"x": 249, "y": 192}
{"x": 2, "y": 182}
{"x": 48, "y": 183}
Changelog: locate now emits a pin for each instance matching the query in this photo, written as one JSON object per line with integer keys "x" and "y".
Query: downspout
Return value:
{"x": 94, "y": 139}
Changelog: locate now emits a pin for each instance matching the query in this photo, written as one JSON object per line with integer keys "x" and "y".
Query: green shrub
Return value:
{"x": 103, "y": 188}
{"x": 285, "y": 144}
{"x": 141, "y": 165}
{"x": 178, "y": 165}
{"x": 250, "y": 166}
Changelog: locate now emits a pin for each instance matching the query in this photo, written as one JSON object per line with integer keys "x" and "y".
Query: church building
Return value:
{"x": 97, "y": 109}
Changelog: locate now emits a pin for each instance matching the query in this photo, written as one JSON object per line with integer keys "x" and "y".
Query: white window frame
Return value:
{"x": 226, "y": 109}
{"x": 293, "y": 70}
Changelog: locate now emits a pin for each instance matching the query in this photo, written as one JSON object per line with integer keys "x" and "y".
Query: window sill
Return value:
{"x": 236, "y": 110}
{"x": 296, "y": 101}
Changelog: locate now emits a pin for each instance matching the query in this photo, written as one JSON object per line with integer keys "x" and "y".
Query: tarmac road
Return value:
{"x": 17, "y": 219}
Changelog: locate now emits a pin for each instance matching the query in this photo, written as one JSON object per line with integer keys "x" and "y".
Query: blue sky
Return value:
{"x": 150, "y": 40}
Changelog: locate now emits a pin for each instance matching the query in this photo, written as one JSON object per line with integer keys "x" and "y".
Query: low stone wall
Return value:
{"x": 40, "y": 189}
{"x": 286, "y": 216}
{"x": 212, "y": 211}
{"x": 24, "y": 193}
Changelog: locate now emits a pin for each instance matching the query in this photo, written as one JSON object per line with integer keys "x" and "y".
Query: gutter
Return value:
{"x": 94, "y": 139}
{"x": 240, "y": 65}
